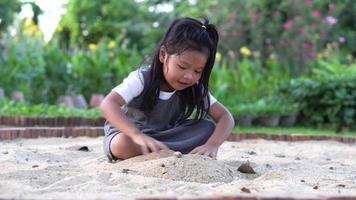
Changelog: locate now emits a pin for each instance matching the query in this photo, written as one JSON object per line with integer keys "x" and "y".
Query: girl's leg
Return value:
{"x": 122, "y": 147}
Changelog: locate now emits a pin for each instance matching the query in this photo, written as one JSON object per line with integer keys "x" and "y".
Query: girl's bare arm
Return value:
{"x": 111, "y": 110}
{"x": 224, "y": 123}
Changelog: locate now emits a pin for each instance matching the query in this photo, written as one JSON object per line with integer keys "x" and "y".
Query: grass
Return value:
{"x": 293, "y": 130}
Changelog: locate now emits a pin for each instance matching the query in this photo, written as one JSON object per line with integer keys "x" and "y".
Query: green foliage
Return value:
{"x": 43, "y": 72}
{"x": 246, "y": 81}
{"x": 100, "y": 69}
{"x": 327, "y": 98}
{"x": 128, "y": 21}
{"x": 25, "y": 66}
{"x": 8, "y": 9}
{"x": 43, "y": 110}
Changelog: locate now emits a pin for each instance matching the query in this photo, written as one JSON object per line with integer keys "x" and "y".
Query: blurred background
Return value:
{"x": 280, "y": 63}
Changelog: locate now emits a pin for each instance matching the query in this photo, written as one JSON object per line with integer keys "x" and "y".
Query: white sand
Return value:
{"x": 46, "y": 169}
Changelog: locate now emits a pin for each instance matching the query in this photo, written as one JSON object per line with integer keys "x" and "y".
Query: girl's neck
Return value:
{"x": 166, "y": 88}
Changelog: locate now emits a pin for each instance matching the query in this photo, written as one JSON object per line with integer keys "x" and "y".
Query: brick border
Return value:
{"x": 241, "y": 197}
{"x": 290, "y": 137}
{"x": 50, "y": 121}
{"x": 9, "y": 133}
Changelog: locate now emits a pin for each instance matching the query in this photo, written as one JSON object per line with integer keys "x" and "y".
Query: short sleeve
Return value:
{"x": 131, "y": 86}
{"x": 212, "y": 99}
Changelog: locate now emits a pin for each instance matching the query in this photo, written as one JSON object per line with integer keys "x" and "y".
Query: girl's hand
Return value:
{"x": 148, "y": 144}
{"x": 206, "y": 150}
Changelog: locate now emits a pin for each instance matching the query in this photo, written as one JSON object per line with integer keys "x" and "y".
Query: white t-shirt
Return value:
{"x": 132, "y": 86}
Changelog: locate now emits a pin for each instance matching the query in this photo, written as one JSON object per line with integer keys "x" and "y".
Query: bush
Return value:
{"x": 327, "y": 97}
{"x": 44, "y": 71}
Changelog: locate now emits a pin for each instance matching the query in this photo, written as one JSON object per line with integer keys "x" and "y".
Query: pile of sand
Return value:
{"x": 189, "y": 168}
{"x": 56, "y": 168}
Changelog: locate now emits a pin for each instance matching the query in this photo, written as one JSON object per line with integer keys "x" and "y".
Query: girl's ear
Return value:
{"x": 162, "y": 54}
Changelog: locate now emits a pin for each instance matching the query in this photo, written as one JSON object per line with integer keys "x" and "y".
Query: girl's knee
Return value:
{"x": 122, "y": 147}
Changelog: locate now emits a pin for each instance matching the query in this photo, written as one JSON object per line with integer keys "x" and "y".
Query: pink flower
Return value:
{"x": 310, "y": 54}
{"x": 332, "y": 6}
{"x": 316, "y": 14}
{"x": 307, "y": 2}
{"x": 288, "y": 24}
{"x": 301, "y": 31}
{"x": 252, "y": 15}
{"x": 307, "y": 45}
{"x": 234, "y": 33}
{"x": 232, "y": 15}
{"x": 313, "y": 54}
{"x": 330, "y": 20}
{"x": 296, "y": 18}
{"x": 342, "y": 39}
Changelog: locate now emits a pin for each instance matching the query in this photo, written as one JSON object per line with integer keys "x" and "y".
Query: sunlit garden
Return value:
{"x": 282, "y": 68}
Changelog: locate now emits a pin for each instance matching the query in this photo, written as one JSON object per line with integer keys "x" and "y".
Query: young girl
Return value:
{"x": 149, "y": 110}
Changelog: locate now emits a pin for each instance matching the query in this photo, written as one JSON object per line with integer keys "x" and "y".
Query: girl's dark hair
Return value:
{"x": 185, "y": 34}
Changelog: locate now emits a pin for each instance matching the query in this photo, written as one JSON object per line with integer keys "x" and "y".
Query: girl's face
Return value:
{"x": 182, "y": 71}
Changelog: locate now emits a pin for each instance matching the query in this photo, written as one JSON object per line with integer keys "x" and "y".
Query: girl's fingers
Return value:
{"x": 153, "y": 147}
{"x": 144, "y": 149}
{"x": 162, "y": 146}
{"x": 207, "y": 153}
{"x": 200, "y": 152}
{"x": 194, "y": 151}
{"x": 214, "y": 155}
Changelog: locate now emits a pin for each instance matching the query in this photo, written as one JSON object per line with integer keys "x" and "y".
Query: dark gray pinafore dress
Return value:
{"x": 162, "y": 124}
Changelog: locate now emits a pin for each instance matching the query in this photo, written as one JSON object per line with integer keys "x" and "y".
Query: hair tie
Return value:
{"x": 203, "y": 26}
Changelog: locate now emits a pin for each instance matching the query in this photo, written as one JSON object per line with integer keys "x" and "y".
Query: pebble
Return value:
{"x": 177, "y": 154}
{"x": 246, "y": 190}
{"x": 246, "y": 168}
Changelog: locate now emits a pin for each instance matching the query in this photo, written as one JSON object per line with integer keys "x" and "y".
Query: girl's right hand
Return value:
{"x": 148, "y": 144}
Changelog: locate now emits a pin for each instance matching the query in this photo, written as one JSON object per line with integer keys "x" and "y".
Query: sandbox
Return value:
{"x": 62, "y": 168}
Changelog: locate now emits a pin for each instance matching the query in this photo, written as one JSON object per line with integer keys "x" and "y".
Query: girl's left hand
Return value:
{"x": 206, "y": 150}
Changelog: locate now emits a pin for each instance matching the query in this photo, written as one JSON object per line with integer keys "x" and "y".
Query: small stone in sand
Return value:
{"x": 77, "y": 148}
{"x": 177, "y": 154}
{"x": 280, "y": 155}
{"x": 246, "y": 190}
{"x": 315, "y": 187}
{"x": 125, "y": 171}
{"x": 34, "y": 166}
{"x": 246, "y": 168}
